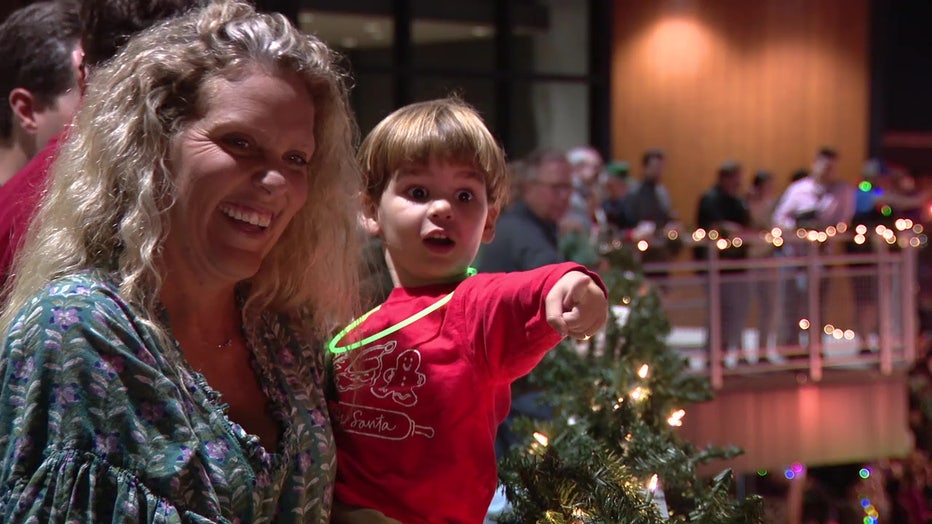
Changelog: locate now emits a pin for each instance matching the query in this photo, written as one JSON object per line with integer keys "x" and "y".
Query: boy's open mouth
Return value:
{"x": 439, "y": 241}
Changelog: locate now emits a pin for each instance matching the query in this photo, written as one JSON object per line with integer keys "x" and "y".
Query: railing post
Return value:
{"x": 715, "y": 318}
{"x": 884, "y": 301}
{"x": 909, "y": 285}
{"x": 814, "y": 280}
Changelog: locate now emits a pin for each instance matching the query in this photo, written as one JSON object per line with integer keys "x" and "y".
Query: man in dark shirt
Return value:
{"x": 722, "y": 209}
{"x": 615, "y": 203}
{"x": 649, "y": 200}
{"x": 526, "y": 233}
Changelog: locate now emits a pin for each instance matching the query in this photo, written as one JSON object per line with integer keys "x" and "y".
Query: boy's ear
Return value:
{"x": 488, "y": 232}
{"x": 369, "y": 217}
{"x": 24, "y": 107}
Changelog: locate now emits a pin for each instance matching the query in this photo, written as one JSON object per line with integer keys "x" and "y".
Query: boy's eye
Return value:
{"x": 418, "y": 193}
{"x": 465, "y": 196}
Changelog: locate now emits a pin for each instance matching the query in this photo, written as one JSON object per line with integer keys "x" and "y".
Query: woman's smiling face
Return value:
{"x": 241, "y": 175}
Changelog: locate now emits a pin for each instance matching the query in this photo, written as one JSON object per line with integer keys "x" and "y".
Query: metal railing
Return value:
{"x": 809, "y": 307}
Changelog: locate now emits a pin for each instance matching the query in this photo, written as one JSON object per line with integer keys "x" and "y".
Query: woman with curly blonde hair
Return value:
{"x": 162, "y": 359}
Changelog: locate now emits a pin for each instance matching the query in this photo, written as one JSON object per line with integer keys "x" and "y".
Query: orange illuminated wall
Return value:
{"x": 764, "y": 82}
{"x": 856, "y": 418}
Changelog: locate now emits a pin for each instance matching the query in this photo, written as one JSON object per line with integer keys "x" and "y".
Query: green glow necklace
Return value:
{"x": 332, "y": 346}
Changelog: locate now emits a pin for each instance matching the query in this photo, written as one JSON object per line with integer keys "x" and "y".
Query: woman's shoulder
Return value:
{"x": 83, "y": 286}
{"x": 82, "y": 297}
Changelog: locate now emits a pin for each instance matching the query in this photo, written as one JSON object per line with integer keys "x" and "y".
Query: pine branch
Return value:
{"x": 611, "y": 434}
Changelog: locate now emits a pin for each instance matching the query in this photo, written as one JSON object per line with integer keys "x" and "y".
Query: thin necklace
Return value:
{"x": 336, "y": 350}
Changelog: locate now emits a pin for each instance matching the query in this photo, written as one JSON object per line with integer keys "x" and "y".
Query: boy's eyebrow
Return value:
{"x": 416, "y": 170}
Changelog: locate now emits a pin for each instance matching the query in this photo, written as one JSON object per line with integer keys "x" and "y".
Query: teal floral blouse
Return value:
{"x": 99, "y": 422}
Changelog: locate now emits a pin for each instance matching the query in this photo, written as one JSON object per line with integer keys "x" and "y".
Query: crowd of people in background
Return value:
{"x": 574, "y": 205}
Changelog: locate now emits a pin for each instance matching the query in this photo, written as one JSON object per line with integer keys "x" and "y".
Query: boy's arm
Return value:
{"x": 576, "y": 305}
{"x": 510, "y": 318}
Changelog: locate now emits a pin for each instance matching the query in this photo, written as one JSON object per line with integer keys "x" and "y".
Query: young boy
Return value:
{"x": 422, "y": 382}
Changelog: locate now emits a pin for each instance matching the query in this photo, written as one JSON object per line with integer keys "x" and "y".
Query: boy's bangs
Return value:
{"x": 443, "y": 140}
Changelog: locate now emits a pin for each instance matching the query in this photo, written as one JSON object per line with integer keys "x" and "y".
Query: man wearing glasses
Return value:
{"x": 526, "y": 232}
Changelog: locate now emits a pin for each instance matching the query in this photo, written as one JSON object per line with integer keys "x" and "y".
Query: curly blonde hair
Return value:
{"x": 445, "y": 129}
{"x": 111, "y": 188}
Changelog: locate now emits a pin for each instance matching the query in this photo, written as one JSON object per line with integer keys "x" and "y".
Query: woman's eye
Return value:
{"x": 237, "y": 142}
{"x": 464, "y": 196}
{"x": 418, "y": 193}
{"x": 297, "y": 159}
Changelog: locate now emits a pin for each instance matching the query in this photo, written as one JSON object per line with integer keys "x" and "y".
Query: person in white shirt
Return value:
{"x": 815, "y": 202}
{"x": 818, "y": 200}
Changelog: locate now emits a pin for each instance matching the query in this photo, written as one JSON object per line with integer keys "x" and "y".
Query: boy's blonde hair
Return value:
{"x": 444, "y": 130}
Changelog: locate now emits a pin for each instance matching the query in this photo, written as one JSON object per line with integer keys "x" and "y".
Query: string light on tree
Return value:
{"x": 643, "y": 371}
{"x": 676, "y": 418}
{"x": 638, "y": 393}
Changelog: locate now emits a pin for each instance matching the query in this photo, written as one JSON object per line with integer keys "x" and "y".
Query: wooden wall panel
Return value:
{"x": 764, "y": 82}
{"x": 861, "y": 419}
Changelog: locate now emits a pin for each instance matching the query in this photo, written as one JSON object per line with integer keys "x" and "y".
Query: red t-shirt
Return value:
{"x": 19, "y": 198}
{"x": 416, "y": 411}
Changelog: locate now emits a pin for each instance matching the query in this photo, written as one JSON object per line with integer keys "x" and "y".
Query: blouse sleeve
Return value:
{"x": 79, "y": 389}
{"x": 74, "y": 487}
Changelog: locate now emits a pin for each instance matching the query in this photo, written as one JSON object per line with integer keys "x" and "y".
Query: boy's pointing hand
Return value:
{"x": 576, "y": 306}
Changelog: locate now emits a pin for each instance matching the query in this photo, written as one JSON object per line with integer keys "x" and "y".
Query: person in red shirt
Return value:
{"x": 422, "y": 381}
{"x": 105, "y": 26}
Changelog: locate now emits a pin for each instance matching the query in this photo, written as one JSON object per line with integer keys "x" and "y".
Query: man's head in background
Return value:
{"x": 548, "y": 184}
{"x": 587, "y": 165}
{"x": 652, "y": 164}
{"x": 616, "y": 181}
{"x": 824, "y": 166}
{"x": 39, "y": 55}
{"x": 730, "y": 176}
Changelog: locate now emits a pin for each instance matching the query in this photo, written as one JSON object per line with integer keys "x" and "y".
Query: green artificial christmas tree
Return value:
{"x": 611, "y": 454}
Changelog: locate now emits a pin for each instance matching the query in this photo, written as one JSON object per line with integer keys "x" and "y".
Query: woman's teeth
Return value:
{"x": 250, "y": 217}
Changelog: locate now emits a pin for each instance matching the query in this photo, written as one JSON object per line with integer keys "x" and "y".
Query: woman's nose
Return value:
{"x": 271, "y": 179}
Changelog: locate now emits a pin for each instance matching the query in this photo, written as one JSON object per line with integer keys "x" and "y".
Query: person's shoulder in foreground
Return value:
{"x": 422, "y": 382}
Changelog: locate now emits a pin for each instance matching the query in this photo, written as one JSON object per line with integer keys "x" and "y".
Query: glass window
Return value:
{"x": 477, "y": 91}
{"x": 458, "y": 50}
{"x": 453, "y": 35}
{"x": 540, "y": 99}
{"x": 548, "y": 114}
{"x": 348, "y": 33}
{"x": 560, "y": 46}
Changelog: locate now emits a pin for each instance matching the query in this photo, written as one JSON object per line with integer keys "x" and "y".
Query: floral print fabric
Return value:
{"x": 100, "y": 422}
